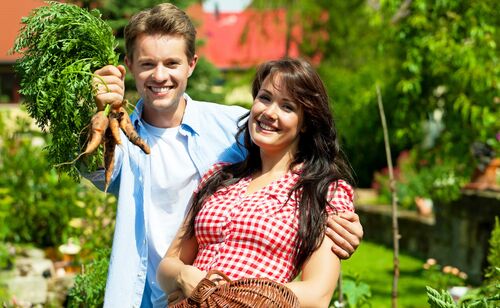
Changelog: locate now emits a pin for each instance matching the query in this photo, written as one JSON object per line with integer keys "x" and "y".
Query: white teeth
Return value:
{"x": 159, "y": 89}
{"x": 266, "y": 127}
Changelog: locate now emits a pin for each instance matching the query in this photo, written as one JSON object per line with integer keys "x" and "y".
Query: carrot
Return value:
{"x": 128, "y": 128}
{"x": 109, "y": 157}
{"x": 114, "y": 126}
{"x": 99, "y": 124}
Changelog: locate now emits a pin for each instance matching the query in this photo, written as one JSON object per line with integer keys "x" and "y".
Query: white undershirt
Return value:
{"x": 174, "y": 178}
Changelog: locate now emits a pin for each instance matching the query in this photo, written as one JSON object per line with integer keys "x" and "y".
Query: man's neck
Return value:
{"x": 165, "y": 118}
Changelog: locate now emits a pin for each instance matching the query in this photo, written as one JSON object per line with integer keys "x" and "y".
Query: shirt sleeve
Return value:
{"x": 340, "y": 196}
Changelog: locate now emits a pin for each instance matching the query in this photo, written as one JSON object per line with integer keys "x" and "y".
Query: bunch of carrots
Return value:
{"x": 105, "y": 128}
{"x": 61, "y": 45}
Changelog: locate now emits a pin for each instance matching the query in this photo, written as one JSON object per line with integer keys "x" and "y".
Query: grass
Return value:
{"x": 374, "y": 265}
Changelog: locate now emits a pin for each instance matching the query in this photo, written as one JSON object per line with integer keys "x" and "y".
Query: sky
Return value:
{"x": 225, "y": 5}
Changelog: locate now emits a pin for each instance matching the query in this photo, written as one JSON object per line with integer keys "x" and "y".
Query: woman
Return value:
{"x": 265, "y": 216}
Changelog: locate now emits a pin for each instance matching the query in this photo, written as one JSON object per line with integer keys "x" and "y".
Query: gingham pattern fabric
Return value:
{"x": 255, "y": 236}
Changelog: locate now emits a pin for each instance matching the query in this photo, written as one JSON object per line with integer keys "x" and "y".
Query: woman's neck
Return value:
{"x": 273, "y": 167}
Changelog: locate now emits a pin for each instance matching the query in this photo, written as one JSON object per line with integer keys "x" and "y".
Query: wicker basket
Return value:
{"x": 242, "y": 293}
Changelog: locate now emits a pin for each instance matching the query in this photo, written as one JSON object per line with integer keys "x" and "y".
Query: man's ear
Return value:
{"x": 192, "y": 65}
{"x": 128, "y": 63}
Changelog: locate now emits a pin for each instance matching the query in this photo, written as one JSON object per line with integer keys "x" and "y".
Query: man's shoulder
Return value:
{"x": 219, "y": 108}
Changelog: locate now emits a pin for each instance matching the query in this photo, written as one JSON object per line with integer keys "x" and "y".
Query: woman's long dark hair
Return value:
{"x": 318, "y": 152}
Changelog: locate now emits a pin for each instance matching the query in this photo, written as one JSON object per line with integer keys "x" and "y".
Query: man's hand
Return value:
{"x": 346, "y": 232}
{"x": 109, "y": 83}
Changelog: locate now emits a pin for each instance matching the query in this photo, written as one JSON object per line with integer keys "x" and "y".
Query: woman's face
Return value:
{"x": 275, "y": 119}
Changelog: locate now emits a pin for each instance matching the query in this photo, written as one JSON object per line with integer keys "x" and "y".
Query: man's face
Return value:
{"x": 161, "y": 69}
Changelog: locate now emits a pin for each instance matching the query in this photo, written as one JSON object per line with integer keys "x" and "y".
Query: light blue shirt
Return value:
{"x": 210, "y": 129}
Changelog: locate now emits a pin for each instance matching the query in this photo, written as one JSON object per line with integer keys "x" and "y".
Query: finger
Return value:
{"x": 342, "y": 254}
{"x": 175, "y": 296}
{"x": 107, "y": 81}
{"x": 122, "y": 70}
{"x": 351, "y": 216}
{"x": 342, "y": 240}
{"x": 351, "y": 224}
{"x": 113, "y": 99}
{"x": 109, "y": 88}
{"x": 348, "y": 231}
{"x": 109, "y": 70}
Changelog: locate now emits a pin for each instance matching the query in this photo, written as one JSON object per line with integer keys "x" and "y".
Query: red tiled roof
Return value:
{"x": 231, "y": 40}
{"x": 243, "y": 39}
{"x": 11, "y": 12}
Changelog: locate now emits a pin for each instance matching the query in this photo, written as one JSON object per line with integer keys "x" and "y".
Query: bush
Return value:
{"x": 39, "y": 206}
{"x": 90, "y": 285}
{"x": 486, "y": 296}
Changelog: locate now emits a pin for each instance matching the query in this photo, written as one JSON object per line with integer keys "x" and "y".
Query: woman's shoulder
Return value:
{"x": 211, "y": 171}
{"x": 341, "y": 196}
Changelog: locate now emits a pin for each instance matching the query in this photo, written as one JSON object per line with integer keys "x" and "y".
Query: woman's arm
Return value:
{"x": 320, "y": 274}
{"x": 175, "y": 270}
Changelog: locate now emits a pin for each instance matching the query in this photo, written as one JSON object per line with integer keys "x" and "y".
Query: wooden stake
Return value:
{"x": 392, "y": 185}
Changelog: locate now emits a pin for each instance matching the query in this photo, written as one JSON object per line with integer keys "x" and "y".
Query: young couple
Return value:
{"x": 261, "y": 212}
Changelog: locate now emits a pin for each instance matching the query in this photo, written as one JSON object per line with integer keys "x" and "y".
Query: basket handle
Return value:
{"x": 207, "y": 286}
{"x": 217, "y": 272}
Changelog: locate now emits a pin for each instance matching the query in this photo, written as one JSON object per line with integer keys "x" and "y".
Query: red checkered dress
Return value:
{"x": 256, "y": 235}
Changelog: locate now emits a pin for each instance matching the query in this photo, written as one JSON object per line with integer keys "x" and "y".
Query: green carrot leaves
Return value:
{"x": 60, "y": 46}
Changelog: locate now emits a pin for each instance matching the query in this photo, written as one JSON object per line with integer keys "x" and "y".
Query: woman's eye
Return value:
{"x": 264, "y": 97}
{"x": 288, "y": 107}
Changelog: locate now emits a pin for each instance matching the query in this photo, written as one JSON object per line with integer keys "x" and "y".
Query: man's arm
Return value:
{"x": 346, "y": 232}
{"x": 109, "y": 84}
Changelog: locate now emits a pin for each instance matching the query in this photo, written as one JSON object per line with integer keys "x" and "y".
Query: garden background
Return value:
{"x": 437, "y": 66}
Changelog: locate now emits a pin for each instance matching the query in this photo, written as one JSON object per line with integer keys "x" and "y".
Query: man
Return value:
{"x": 186, "y": 137}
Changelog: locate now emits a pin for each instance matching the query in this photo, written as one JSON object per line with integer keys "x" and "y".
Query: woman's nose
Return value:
{"x": 271, "y": 111}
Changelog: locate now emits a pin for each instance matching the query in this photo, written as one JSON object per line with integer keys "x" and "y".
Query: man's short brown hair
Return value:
{"x": 163, "y": 19}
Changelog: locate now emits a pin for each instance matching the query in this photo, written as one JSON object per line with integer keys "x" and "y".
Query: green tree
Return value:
{"x": 346, "y": 37}
{"x": 437, "y": 63}
{"x": 447, "y": 53}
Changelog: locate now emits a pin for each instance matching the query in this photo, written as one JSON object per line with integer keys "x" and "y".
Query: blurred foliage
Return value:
{"x": 90, "y": 284}
{"x": 417, "y": 179}
{"x": 356, "y": 293}
{"x": 201, "y": 82}
{"x": 488, "y": 294}
{"x": 437, "y": 63}
{"x": 39, "y": 206}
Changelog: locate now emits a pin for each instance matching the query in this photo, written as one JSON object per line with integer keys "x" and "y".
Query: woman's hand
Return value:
{"x": 175, "y": 296}
{"x": 188, "y": 279}
{"x": 346, "y": 232}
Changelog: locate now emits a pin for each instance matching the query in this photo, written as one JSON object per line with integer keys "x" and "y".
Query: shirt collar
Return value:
{"x": 190, "y": 120}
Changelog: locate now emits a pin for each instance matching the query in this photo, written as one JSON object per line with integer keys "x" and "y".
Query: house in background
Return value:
{"x": 241, "y": 40}
{"x": 231, "y": 40}
{"x": 11, "y": 13}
